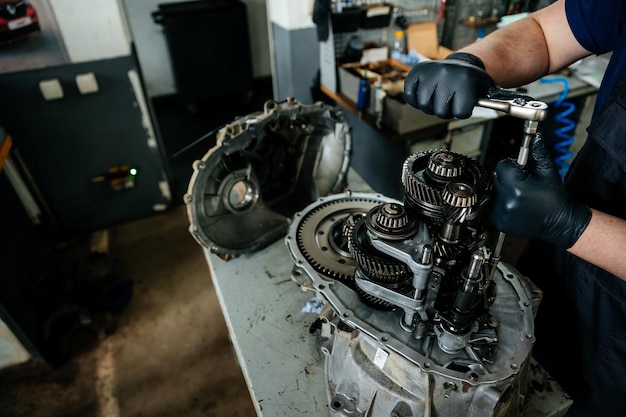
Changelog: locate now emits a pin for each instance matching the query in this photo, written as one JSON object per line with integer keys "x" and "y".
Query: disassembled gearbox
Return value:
{"x": 418, "y": 323}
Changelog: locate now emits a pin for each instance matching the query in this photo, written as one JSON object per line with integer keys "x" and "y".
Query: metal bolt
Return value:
{"x": 448, "y": 388}
{"x": 520, "y": 101}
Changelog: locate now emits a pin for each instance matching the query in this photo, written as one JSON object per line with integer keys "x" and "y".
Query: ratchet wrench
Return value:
{"x": 523, "y": 107}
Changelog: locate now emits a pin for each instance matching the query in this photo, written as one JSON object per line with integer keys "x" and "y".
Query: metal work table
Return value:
{"x": 280, "y": 358}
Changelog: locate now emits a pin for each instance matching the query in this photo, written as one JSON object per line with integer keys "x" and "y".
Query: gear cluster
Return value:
{"x": 436, "y": 179}
{"x": 445, "y": 191}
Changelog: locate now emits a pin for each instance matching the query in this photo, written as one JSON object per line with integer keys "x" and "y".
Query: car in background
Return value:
{"x": 18, "y": 19}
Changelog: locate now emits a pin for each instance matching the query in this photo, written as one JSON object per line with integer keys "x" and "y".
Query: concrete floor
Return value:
{"x": 170, "y": 353}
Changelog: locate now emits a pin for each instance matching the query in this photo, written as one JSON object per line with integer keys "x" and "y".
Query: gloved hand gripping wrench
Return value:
{"x": 522, "y": 107}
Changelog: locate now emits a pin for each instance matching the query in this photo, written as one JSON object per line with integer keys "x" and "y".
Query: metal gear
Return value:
{"x": 459, "y": 194}
{"x": 391, "y": 221}
{"x": 419, "y": 194}
{"x": 377, "y": 267}
{"x": 426, "y": 174}
{"x": 446, "y": 164}
{"x": 321, "y": 232}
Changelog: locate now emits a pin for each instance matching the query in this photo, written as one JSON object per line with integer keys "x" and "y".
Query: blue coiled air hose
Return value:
{"x": 565, "y": 133}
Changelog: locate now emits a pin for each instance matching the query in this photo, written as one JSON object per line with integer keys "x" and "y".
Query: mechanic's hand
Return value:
{"x": 532, "y": 202}
{"x": 449, "y": 87}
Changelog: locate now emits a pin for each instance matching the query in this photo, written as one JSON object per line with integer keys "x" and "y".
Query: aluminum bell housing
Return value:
{"x": 265, "y": 167}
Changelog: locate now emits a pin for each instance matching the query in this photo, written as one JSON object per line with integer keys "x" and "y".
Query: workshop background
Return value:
{"x": 106, "y": 301}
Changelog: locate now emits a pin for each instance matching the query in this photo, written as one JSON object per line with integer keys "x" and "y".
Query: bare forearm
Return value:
{"x": 603, "y": 243}
{"x": 509, "y": 60}
{"x": 530, "y": 48}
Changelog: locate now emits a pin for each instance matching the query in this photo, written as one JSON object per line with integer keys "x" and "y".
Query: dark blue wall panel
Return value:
{"x": 66, "y": 142}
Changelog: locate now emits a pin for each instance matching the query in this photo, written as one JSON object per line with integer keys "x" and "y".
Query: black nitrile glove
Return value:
{"x": 448, "y": 87}
{"x": 531, "y": 201}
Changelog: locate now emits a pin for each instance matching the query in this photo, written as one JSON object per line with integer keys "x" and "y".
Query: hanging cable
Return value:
{"x": 565, "y": 133}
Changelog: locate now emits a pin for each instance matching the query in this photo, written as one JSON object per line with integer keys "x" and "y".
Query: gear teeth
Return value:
{"x": 372, "y": 301}
{"x": 459, "y": 194}
{"x": 307, "y": 230}
{"x": 419, "y": 195}
{"x": 428, "y": 194}
{"x": 436, "y": 180}
{"x": 446, "y": 164}
{"x": 444, "y": 253}
{"x": 377, "y": 267}
{"x": 390, "y": 221}
{"x": 457, "y": 215}
{"x": 414, "y": 163}
{"x": 383, "y": 270}
{"x": 387, "y": 270}
{"x": 391, "y": 217}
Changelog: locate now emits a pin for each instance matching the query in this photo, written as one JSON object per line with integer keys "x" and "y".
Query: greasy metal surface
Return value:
{"x": 281, "y": 359}
{"x": 417, "y": 373}
{"x": 264, "y": 167}
{"x": 386, "y": 381}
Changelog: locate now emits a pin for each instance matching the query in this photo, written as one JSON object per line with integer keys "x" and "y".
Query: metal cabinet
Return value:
{"x": 209, "y": 47}
{"x": 74, "y": 148}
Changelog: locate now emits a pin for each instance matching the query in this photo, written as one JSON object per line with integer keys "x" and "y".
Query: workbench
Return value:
{"x": 280, "y": 356}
